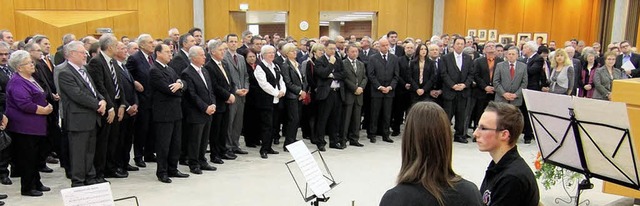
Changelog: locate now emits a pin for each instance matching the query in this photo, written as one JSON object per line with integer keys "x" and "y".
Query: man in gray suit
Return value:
{"x": 82, "y": 109}
{"x": 577, "y": 67}
{"x": 240, "y": 77}
{"x": 355, "y": 80}
{"x": 509, "y": 78}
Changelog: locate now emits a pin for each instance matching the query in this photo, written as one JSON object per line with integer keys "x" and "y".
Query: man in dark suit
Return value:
{"x": 82, "y": 107}
{"x": 482, "y": 90}
{"x": 180, "y": 61}
{"x": 577, "y": 68}
{"x": 223, "y": 89}
{"x": 103, "y": 72}
{"x": 355, "y": 80}
{"x": 394, "y": 48}
{"x": 537, "y": 81}
{"x": 240, "y": 78}
{"x": 303, "y": 54}
{"x": 59, "y": 57}
{"x": 247, "y": 37}
{"x": 628, "y": 55}
{"x": 383, "y": 74}
{"x": 456, "y": 71}
{"x": 402, "y": 99}
{"x": 138, "y": 65}
{"x": 436, "y": 90}
{"x": 166, "y": 94}
{"x": 328, "y": 73}
{"x": 198, "y": 108}
{"x": 366, "y": 51}
{"x": 5, "y": 74}
{"x": 125, "y": 136}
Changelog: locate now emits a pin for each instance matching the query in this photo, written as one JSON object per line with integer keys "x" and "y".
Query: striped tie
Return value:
{"x": 114, "y": 77}
{"x": 83, "y": 73}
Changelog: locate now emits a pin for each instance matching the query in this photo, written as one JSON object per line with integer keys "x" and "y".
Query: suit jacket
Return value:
{"x": 101, "y": 74}
{"x": 301, "y": 57}
{"x": 404, "y": 73}
{"x": 353, "y": 80}
{"x": 199, "y": 95}
{"x": 41, "y": 78}
{"x": 535, "y": 73}
{"x": 322, "y": 70}
{"x": 503, "y": 83}
{"x": 399, "y": 50}
{"x": 47, "y": 74}
{"x": 635, "y": 60}
{"x": 243, "y": 50}
{"x": 482, "y": 76}
{"x": 238, "y": 72}
{"x": 221, "y": 88}
{"x": 179, "y": 62}
{"x": 139, "y": 68}
{"x": 79, "y": 103}
{"x": 429, "y": 76}
{"x": 451, "y": 75}
{"x": 59, "y": 57}
{"x": 165, "y": 106}
{"x": 577, "y": 67}
{"x": 365, "y": 58}
{"x": 127, "y": 88}
{"x": 383, "y": 73}
{"x": 603, "y": 82}
{"x": 294, "y": 81}
{"x": 4, "y": 79}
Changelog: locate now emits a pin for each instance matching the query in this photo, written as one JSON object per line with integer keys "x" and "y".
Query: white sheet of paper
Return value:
{"x": 91, "y": 195}
{"x": 628, "y": 66}
{"x": 309, "y": 168}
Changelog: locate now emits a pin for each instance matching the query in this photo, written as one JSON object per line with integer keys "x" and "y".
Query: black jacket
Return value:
{"x": 165, "y": 104}
{"x": 198, "y": 96}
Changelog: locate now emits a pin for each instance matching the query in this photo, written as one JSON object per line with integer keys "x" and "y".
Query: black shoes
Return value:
{"x": 336, "y": 146}
{"x": 240, "y": 151}
{"x": 395, "y": 133}
{"x": 46, "y": 169}
{"x": 372, "y": 139}
{"x": 321, "y": 148}
{"x": 150, "y": 158}
{"x": 164, "y": 179}
{"x": 355, "y": 143}
{"x": 43, "y": 188}
{"x": 3, "y": 196}
{"x": 461, "y": 140}
{"x": 116, "y": 174}
{"x": 208, "y": 167}
{"x": 32, "y": 193}
{"x": 263, "y": 155}
{"x": 5, "y": 180}
{"x": 140, "y": 163}
{"x": 131, "y": 168}
{"x": 178, "y": 174}
{"x": 271, "y": 151}
{"x": 276, "y": 141}
{"x": 228, "y": 156}
{"x": 196, "y": 170}
{"x": 387, "y": 139}
{"x": 52, "y": 160}
{"x": 527, "y": 141}
{"x": 217, "y": 160}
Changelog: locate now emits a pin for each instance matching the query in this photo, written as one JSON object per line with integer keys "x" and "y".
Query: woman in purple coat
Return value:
{"x": 27, "y": 107}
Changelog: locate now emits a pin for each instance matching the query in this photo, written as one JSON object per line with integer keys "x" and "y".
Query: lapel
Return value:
{"x": 228, "y": 55}
{"x": 194, "y": 74}
{"x": 294, "y": 70}
{"x": 349, "y": 67}
{"x": 79, "y": 76}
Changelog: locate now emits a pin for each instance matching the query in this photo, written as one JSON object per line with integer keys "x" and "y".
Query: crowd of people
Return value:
{"x": 173, "y": 100}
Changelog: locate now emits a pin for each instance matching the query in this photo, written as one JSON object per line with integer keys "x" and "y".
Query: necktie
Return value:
{"x": 125, "y": 73}
{"x": 114, "y": 77}
{"x": 224, "y": 73}
{"x": 512, "y": 71}
{"x": 459, "y": 61}
{"x": 235, "y": 59}
{"x": 384, "y": 56}
{"x": 490, "y": 62}
{"x": 7, "y": 71}
{"x": 366, "y": 52}
{"x": 83, "y": 73}
{"x": 353, "y": 64}
{"x": 48, "y": 61}
{"x": 202, "y": 76}
{"x": 150, "y": 60}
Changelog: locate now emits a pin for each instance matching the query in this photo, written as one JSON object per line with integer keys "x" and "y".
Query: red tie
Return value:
{"x": 150, "y": 60}
{"x": 512, "y": 71}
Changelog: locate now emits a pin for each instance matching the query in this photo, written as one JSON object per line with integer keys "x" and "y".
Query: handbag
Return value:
{"x": 5, "y": 140}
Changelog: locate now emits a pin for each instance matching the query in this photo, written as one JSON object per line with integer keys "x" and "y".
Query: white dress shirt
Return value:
{"x": 261, "y": 77}
{"x": 458, "y": 60}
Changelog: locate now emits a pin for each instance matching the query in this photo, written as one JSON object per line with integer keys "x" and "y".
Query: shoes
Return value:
{"x": 395, "y": 133}
{"x": 461, "y": 140}
{"x": 46, "y": 169}
{"x": 227, "y": 157}
{"x": 5, "y": 180}
{"x": 43, "y": 188}
{"x": 52, "y": 160}
{"x": 32, "y": 193}
{"x": 115, "y": 174}
{"x": 285, "y": 149}
{"x": 178, "y": 174}
{"x": 217, "y": 160}
{"x": 100, "y": 180}
{"x": 1, "y": 203}
{"x": 3, "y": 196}
{"x": 77, "y": 184}
{"x": 240, "y": 151}
{"x": 196, "y": 170}
{"x": 150, "y": 158}
{"x": 263, "y": 155}
{"x": 387, "y": 139}
{"x": 321, "y": 148}
{"x": 164, "y": 179}
{"x": 231, "y": 154}
{"x": 335, "y": 146}
{"x": 357, "y": 144}
{"x": 140, "y": 163}
{"x": 87, "y": 182}
{"x": 271, "y": 151}
{"x": 276, "y": 141}
{"x": 67, "y": 173}
{"x": 131, "y": 168}
{"x": 372, "y": 140}
{"x": 208, "y": 167}
{"x": 527, "y": 141}
{"x": 183, "y": 162}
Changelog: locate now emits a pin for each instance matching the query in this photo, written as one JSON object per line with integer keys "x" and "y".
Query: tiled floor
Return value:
{"x": 364, "y": 175}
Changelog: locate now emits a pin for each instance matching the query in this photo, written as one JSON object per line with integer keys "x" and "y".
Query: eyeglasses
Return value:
{"x": 482, "y": 128}
{"x": 28, "y": 63}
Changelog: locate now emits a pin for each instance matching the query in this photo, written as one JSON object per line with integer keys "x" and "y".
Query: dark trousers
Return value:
{"x": 65, "y": 160}
{"x": 401, "y": 102}
{"x": 292, "y": 107}
{"x": 266, "y": 127}
{"x": 308, "y": 119}
{"x": 478, "y": 109}
{"x": 5, "y": 160}
{"x": 82, "y": 148}
{"x": 278, "y": 117}
{"x": 167, "y": 146}
{"x": 380, "y": 110}
{"x": 328, "y": 119}
{"x": 106, "y": 145}
{"x": 351, "y": 122}
{"x": 457, "y": 107}
{"x": 26, "y": 147}
{"x": 143, "y": 142}
{"x": 528, "y": 131}
{"x": 125, "y": 142}
{"x": 252, "y": 135}
{"x": 219, "y": 134}
{"x": 51, "y": 142}
{"x": 197, "y": 141}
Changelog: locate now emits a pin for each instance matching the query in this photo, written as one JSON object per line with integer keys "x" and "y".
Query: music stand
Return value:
{"x": 317, "y": 196}
{"x": 587, "y": 136}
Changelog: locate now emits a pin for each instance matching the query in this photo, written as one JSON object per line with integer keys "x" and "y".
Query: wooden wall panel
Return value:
{"x": 21, "y": 29}
{"x": 638, "y": 36}
{"x": 59, "y": 4}
{"x": 479, "y": 14}
{"x": 392, "y": 15}
{"x": 508, "y": 22}
{"x": 533, "y": 19}
{"x": 238, "y": 22}
{"x": 565, "y": 21}
{"x": 421, "y": 15}
{"x": 261, "y": 5}
{"x": 304, "y": 11}
{"x": 126, "y": 25}
{"x": 80, "y": 30}
{"x": 180, "y": 15}
{"x": 586, "y": 24}
{"x": 333, "y": 5}
{"x": 8, "y": 16}
{"x": 216, "y": 9}
{"x": 454, "y": 18}
{"x": 29, "y": 4}
{"x": 364, "y": 5}
{"x": 95, "y": 5}
{"x": 122, "y": 5}
{"x": 154, "y": 17}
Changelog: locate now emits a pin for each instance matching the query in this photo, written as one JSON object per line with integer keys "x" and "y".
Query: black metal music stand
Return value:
{"x": 312, "y": 197}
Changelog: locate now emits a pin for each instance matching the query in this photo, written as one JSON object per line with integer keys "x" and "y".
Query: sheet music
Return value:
{"x": 309, "y": 167}
{"x": 91, "y": 195}
{"x": 628, "y": 66}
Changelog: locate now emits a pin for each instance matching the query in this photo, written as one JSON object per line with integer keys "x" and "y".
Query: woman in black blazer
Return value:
{"x": 422, "y": 75}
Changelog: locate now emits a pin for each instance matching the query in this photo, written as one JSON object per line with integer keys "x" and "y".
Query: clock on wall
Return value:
{"x": 304, "y": 25}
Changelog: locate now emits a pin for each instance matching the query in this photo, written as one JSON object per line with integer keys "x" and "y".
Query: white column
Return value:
{"x": 334, "y": 29}
{"x": 619, "y": 24}
{"x": 198, "y": 14}
{"x": 438, "y": 17}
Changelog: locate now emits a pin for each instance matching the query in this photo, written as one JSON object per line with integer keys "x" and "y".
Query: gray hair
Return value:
{"x": 29, "y": 46}
{"x": 434, "y": 38}
{"x": 287, "y": 48}
{"x": 87, "y": 39}
{"x": 266, "y": 49}
{"x": 515, "y": 48}
{"x": 468, "y": 50}
{"x": 4, "y": 45}
{"x": 531, "y": 45}
{"x": 2, "y": 34}
{"x": 107, "y": 40}
{"x": 143, "y": 37}
{"x": 68, "y": 38}
{"x": 366, "y": 38}
{"x": 193, "y": 51}
{"x": 245, "y": 33}
{"x": 588, "y": 51}
{"x": 17, "y": 57}
{"x": 173, "y": 29}
{"x": 213, "y": 44}
{"x": 72, "y": 46}
{"x": 38, "y": 38}
{"x": 131, "y": 44}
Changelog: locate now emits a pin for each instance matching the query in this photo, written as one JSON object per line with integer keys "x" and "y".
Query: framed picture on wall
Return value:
{"x": 492, "y": 35}
{"x": 482, "y": 35}
{"x": 540, "y": 38}
{"x": 471, "y": 32}
{"x": 524, "y": 37}
{"x": 506, "y": 39}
